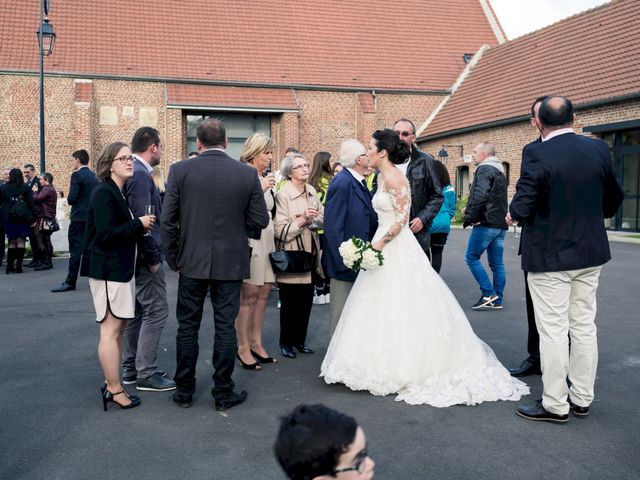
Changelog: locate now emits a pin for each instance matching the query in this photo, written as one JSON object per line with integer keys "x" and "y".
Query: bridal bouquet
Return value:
{"x": 358, "y": 254}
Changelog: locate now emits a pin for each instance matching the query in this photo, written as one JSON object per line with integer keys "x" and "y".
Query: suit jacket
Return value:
{"x": 140, "y": 191}
{"x": 426, "y": 193}
{"x": 566, "y": 189}
{"x": 210, "y": 202}
{"x": 528, "y": 145}
{"x": 83, "y": 181}
{"x": 112, "y": 235}
{"x": 348, "y": 212}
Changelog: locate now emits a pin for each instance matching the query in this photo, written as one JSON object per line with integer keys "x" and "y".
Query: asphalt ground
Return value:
{"x": 52, "y": 425}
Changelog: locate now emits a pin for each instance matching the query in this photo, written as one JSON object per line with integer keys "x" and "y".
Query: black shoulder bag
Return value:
{"x": 290, "y": 261}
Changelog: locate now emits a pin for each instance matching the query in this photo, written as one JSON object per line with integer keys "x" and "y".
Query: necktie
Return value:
{"x": 363, "y": 182}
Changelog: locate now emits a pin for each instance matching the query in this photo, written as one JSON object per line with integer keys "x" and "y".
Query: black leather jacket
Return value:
{"x": 426, "y": 192}
{"x": 488, "y": 199}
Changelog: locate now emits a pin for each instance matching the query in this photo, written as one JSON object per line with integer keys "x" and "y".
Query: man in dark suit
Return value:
{"x": 31, "y": 179}
{"x": 4, "y": 179}
{"x": 426, "y": 191}
{"x": 141, "y": 335}
{"x": 83, "y": 181}
{"x": 531, "y": 364}
{"x": 567, "y": 187}
{"x": 348, "y": 213}
{"x": 210, "y": 203}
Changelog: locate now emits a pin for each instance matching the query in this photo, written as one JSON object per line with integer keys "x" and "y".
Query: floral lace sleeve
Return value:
{"x": 400, "y": 195}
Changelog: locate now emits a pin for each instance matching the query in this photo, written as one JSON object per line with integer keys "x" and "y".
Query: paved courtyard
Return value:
{"x": 53, "y": 427}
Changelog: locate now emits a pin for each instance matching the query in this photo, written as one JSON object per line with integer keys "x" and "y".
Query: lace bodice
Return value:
{"x": 392, "y": 204}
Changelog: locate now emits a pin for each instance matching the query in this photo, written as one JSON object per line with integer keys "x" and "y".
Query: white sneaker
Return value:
{"x": 278, "y": 305}
{"x": 327, "y": 298}
{"x": 318, "y": 300}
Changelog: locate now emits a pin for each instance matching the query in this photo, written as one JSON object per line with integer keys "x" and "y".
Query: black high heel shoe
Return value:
{"x": 108, "y": 396}
{"x": 248, "y": 366}
{"x": 263, "y": 359}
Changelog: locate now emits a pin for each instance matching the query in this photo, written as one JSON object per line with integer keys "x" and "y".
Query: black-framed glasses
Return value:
{"x": 124, "y": 158}
{"x": 357, "y": 467}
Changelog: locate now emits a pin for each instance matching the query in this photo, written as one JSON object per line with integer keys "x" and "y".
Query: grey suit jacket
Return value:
{"x": 210, "y": 203}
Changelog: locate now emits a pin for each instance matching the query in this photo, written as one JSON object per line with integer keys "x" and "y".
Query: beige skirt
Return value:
{"x": 117, "y": 297}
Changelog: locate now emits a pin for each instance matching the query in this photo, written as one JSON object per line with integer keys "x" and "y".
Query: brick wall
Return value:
{"x": 509, "y": 140}
{"x": 82, "y": 113}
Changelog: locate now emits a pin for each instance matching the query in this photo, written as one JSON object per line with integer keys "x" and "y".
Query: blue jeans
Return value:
{"x": 491, "y": 240}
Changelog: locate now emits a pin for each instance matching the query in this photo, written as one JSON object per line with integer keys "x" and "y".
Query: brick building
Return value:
{"x": 591, "y": 58}
{"x": 310, "y": 74}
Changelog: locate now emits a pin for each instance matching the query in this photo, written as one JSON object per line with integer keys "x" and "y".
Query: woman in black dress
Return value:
{"x": 17, "y": 213}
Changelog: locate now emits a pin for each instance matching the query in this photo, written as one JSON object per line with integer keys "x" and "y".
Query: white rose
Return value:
{"x": 349, "y": 253}
{"x": 369, "y": 260}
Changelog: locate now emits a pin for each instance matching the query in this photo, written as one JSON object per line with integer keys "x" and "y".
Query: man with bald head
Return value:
{"x": 567, "y": 188}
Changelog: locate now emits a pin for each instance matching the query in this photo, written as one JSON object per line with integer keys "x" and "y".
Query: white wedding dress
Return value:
{"x": 403, "y": 332}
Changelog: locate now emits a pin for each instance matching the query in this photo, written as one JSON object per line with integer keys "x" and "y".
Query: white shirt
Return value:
{"x": 558, "y": 132}
{"x": 403, "y": 166}
{"x": 356, "y": 175}
{"x": 144, "y": 162}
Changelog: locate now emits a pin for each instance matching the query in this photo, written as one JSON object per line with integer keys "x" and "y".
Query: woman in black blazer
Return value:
{"x": 112, "y": 234}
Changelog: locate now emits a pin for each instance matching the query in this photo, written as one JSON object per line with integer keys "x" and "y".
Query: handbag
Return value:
{"x": 19, "y": 211}
{"x": 290, "y": 261}
{"x": 50, "y": 225}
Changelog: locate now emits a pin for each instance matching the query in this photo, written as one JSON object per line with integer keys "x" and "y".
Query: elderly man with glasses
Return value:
{"x": 426, "y": 191}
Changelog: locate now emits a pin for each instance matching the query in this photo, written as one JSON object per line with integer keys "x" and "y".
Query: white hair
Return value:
{"x": 286, "y": 165}
{"x": 350, "y": 150}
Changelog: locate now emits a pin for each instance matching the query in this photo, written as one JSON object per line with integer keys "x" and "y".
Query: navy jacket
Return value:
{"x": 567, "y": 188}
{"x": 111, "y": 235}
{"x": 140, "y": 191}
{"x": 83, "y": 181}
{"x": 348, "y": 212}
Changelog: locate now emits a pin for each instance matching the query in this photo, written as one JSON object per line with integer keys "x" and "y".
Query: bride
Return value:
{"x": 402, "y": 331}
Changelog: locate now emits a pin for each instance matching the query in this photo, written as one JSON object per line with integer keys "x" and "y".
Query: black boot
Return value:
{"x": 19, "y": 258}
{"x": 11, "y": 260}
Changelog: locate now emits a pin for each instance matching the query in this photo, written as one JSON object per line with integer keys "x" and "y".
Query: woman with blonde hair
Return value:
{"x": 257, "y": 153}
{"x": 112, "y": 235}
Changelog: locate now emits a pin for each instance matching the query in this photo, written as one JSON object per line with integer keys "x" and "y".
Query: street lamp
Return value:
{"x": 46, "y": 41}
{"x": 443, "y": 154}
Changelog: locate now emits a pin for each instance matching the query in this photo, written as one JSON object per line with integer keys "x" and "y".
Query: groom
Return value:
{"x": 348, "y": 213}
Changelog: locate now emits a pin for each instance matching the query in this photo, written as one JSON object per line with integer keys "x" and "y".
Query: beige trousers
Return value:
{"x": 339, "y": 292}
{"x": 565, "y": 306}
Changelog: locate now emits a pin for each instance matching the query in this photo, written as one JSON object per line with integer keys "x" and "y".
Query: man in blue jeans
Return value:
{"x": 486, "y": 211}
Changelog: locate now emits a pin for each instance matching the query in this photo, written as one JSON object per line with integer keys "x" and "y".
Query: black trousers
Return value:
{"x": 438, "y": 241}
{"x": 77, "y": 248}
{"x": 225, "y": 298}
{"x": 296, "y": 301}
{"x": 35, "y": 247}
{"x": 533, "y": 339}
{"x": 2, "y": 238}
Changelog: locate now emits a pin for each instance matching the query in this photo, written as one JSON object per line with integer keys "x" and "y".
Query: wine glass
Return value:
{"x": 150, "y": 210}
{"x": 315, "y": 204}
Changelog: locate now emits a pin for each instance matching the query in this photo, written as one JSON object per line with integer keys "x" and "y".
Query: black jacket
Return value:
{"x": 83, "y": 181}
{"x": 487, "y": 203}
{"x": 10, "y": 190}
{"x": 210, "y": 204}
{"x": 567, "y": 188}
{"x": 112, "y": 235}
{"x": 426, "y": 192}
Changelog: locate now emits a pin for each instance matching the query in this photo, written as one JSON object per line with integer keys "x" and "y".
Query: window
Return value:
{"x": 239, "y": 127}
{"x": 462, "y": 181}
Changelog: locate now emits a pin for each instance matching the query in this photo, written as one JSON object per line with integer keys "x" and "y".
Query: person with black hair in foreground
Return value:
{"x": 316, "y": 442}
{"x": 401, "y": 330}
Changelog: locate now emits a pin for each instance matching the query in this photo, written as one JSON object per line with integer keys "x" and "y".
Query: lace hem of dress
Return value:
{"x": 469, "y": 386}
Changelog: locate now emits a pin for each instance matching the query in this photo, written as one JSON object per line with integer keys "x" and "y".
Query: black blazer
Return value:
{"x": 83, "y": 181}
{"x": 112, "y": 235}
{"x": 210, "y": 204}
{"x": 567, "y": 188}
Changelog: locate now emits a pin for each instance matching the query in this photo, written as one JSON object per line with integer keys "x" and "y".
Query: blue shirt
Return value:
{"x": 442, "y": 222}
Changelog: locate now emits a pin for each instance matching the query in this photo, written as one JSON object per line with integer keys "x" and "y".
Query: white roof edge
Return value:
{"x": 493, "y": 21}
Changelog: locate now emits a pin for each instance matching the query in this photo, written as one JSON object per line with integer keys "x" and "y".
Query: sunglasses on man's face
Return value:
{"x": 404, "y": 133}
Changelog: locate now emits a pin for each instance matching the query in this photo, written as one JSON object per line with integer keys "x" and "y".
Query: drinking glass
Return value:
{"x": 150, "y": 210}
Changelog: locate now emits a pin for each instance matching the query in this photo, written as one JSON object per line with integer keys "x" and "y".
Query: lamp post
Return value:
{"x": 443, "y": 154}
{"x": 46, "y": 40}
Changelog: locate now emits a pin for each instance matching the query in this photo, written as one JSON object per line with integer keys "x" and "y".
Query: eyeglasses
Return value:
{"x": 404, "y": 134}
{"x": 124, "y": 158}
{"x": 302, "y": 165}
{"x": 357, "y": 467}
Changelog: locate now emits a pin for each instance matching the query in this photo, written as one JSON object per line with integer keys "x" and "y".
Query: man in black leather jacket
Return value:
{"x": 486, "y": 209}
{"x": 426, "y": 191}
